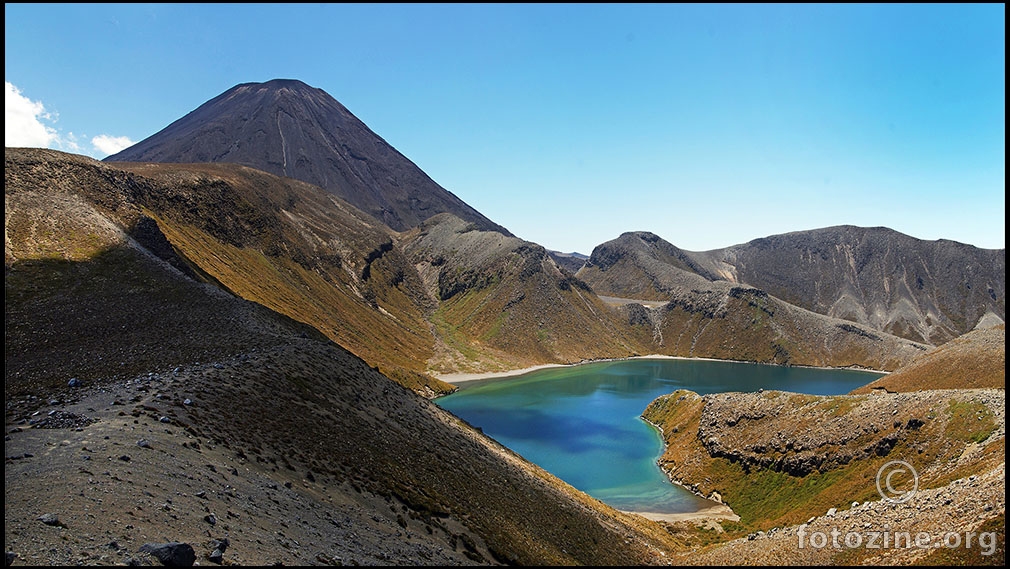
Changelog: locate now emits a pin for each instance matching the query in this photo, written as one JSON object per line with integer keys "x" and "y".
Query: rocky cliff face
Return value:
{"x": 926, "y": 291}
{"x": 788, "y": 463}
{"x": 290, "y": 129}
{"x": 706, "y": 316}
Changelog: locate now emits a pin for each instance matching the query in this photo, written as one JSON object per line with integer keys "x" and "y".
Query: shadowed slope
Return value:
{"x": 288, "y": 128}
{"x": 284, "y": 244}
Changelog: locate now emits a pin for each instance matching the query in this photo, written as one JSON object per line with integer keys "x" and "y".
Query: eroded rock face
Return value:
{"x": 800, "y": 434}
{"x": 924, "y": 291}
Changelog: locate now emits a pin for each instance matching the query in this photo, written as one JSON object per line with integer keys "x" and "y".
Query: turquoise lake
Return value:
{"x": 583, "y": 423}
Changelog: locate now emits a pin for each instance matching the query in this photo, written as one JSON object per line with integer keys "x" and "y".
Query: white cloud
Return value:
{"x": 111, "y": 144}
{"x": 23, "y": 118}
{"x": 26, "y": 123}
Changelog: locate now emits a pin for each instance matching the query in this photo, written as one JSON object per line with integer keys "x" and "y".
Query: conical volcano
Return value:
{"x": 288, "y": 128}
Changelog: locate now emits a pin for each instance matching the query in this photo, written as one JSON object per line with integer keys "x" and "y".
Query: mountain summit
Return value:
{"x": 288, "y": 128}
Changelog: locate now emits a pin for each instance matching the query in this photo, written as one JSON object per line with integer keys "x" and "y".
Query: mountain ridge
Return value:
{"x": 925, "y": 291}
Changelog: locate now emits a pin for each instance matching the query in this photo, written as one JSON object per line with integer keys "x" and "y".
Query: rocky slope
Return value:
{"x": 446, "y": 297}
{"x": 290, "y": 129}
{"x": 504, "y": 303}
{"x": 720, "y": 319}
{"x": 278, "y": 242}
{"x": 145, "y": 406}
{"x": 925, "y": 291}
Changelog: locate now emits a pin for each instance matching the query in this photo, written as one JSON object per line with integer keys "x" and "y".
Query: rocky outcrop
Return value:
{"x": 778, "y": 458}
{"x": 504, "y": 302}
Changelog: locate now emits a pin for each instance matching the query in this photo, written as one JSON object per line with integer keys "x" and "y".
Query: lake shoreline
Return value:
{"x": 715, "y": 510}
{"x": 717, "y": 513}
{"x": 459, "y": 378}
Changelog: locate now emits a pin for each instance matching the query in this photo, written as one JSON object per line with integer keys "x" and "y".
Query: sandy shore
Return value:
{"x": 718, "y": 512}
{"x": 456, "y": 378}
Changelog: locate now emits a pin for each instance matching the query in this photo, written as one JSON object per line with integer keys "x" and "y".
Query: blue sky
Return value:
{"x": 709, "y": 125}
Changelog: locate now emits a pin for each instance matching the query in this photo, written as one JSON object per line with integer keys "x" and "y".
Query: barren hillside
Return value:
{"x": 144, "y": 406}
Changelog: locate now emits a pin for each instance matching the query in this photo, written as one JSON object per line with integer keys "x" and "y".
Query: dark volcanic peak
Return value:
{"x": 288, "y": 128}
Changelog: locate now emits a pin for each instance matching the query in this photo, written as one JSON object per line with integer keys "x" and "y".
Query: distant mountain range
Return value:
{"x": 925, "y": 291}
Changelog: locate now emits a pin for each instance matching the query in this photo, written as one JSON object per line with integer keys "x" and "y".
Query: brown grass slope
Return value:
{"x": 782, "y": 459}
{"x": 302, "y": 453}
{"x": 504, "y": 303}
{"x": 719, "y": 319}
{"x": 281, "y": 243}
{"x": 975, "y": 360}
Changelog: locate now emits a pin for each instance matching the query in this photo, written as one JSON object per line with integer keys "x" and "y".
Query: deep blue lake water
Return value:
{"x": 583, "y": 423}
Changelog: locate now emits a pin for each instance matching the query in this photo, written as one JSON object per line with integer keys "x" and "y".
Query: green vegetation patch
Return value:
{"x": 969, "y": 421}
